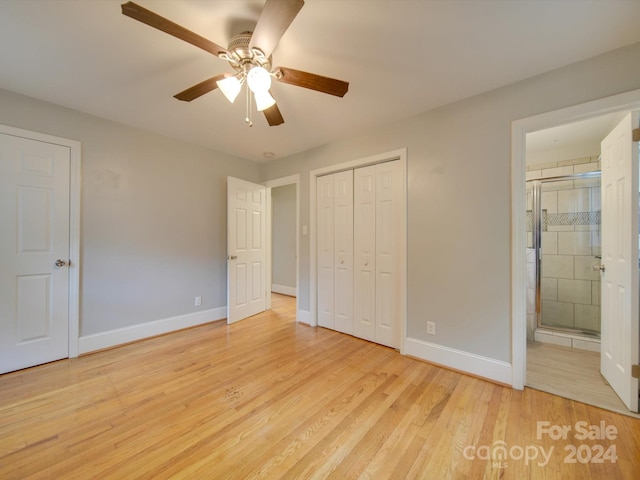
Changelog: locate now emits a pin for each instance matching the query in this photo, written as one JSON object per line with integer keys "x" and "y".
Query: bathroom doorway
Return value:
{"x": 564, "y": 261}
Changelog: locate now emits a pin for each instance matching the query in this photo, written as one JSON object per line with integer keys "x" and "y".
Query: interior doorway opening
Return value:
{"x": 283, "y": 238}
{"x": 284, "y": 278}
{"x": 562, "y": 240}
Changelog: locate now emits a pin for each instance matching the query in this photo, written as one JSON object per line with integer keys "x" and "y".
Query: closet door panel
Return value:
{"x": 343, "y": 250}
{"x": 364, "y": 221}
{"x": 325, "y": 257}
{"x": 388, "y": 236}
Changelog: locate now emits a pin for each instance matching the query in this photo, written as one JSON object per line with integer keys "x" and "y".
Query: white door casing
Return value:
{"x": 35, "y": 215}
{"x": 619, "y": 302}
{"x": 246, "y": 249}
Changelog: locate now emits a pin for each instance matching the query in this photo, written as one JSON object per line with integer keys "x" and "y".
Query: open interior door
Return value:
{"x": 34, "y": 252}
{"x": 619, "y": 269}
{"x": 246, "y": 249}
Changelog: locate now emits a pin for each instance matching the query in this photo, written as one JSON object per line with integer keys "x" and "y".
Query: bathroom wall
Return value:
{"x": 570, "y": 288}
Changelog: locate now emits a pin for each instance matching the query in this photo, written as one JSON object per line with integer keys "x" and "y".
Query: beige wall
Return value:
{"x": 153, "y": 216}
{"x": 459, "y": 197}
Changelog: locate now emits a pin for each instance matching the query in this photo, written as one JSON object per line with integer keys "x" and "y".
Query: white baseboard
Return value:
{"x": 99, "y": 341}
{"x": 471, "y": 363}
{"x": 303, "y": 316}
{"x": 291, "y": 291}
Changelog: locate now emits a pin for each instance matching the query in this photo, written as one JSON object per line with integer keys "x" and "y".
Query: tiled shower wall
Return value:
{"x": 570, "y": 290}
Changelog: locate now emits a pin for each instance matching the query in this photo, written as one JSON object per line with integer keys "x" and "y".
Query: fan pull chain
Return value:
{"x": 248, "y": 117}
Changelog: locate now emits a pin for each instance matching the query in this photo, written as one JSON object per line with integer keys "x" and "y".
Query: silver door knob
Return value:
{"x": 60, "y": 263}
{"x": 232, "y": 257}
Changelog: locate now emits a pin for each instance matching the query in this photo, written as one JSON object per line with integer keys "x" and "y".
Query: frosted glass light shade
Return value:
{"x": 264, "y": 100}
{"x": 230, "y": 87}
{"x": 259, "y": 80}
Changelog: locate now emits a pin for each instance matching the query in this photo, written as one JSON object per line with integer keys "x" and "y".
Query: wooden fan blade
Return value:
{"x": 273, "y": 115}
{"x": 274, "y": 20}
{"x": 154, "y": 20}
{"x": 200, "y": 89}
{"x": 310, "y": 80}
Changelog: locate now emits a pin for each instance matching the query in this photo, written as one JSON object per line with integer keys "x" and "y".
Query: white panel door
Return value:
{"x": 343, "y": 250}
{"x": 246, "y": 247}
{"x": 364, "y": 228}
{"x": 34, "y": 214}
{"x": 389, "y": 193}
{"x": 324, "y": 236}
{"x": 619, "y": 302}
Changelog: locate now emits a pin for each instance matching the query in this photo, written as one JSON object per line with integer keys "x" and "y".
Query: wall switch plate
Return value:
{"x": 304, "y": 230}
{"x": 198, "y": 301}
{"x": 431, "y": 328}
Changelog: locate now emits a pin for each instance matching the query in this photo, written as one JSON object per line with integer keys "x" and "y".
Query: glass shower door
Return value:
{"x": 568, "y": 244}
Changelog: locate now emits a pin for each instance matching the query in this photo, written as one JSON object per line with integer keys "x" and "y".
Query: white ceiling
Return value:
{"x": 574, "y": 140}
{"x": 401, "y": 57}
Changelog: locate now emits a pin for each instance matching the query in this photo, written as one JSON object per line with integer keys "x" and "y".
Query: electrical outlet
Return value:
{"x": 198, "y": 301}
{"x": 431, "y": 328}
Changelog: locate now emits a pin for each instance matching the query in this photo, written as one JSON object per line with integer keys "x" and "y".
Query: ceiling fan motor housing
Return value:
{"x": 239, "y": 55}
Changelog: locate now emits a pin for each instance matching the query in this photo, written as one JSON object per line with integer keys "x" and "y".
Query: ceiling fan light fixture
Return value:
{"x": 259, "y": 80}
{"x": 230, "y": 87}
{"x": 264, "y": 100}
{"x": 251, "y": 63}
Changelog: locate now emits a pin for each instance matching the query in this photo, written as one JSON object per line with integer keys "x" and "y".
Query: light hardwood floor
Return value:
{"x": 269, "y": 398}
{"x": 571, "y": 373}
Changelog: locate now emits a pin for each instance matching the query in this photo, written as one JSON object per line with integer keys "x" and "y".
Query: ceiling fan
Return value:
{"x": 249, "y": 54}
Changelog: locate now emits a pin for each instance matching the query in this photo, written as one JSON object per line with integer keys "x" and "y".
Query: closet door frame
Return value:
{"x": 401, "y": 155}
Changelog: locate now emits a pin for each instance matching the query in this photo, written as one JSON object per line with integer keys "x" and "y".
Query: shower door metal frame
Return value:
{"x": 536, "y": 233}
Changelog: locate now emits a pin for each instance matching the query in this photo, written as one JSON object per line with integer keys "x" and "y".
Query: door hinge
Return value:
{"x": 635, "y": 134}
{"x": 635, "y": 371}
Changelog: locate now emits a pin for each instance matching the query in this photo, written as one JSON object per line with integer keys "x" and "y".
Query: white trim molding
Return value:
{"x": 284, "y": 290}
{"x": 519, "y": 129}
{"x": 304, "y": 316}
{"x": 75, "y": 155}
{"x": 471, "y": 363}
{"x": 112, "y": 338}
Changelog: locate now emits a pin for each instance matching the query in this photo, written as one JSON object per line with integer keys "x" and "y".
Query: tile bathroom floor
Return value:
{"x": 571, "y": 373}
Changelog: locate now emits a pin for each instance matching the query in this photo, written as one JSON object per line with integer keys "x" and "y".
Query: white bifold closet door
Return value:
{"x": 358, "y": 243}
{"x": 335, "y": 251}
{"x": 377, "y": 235}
